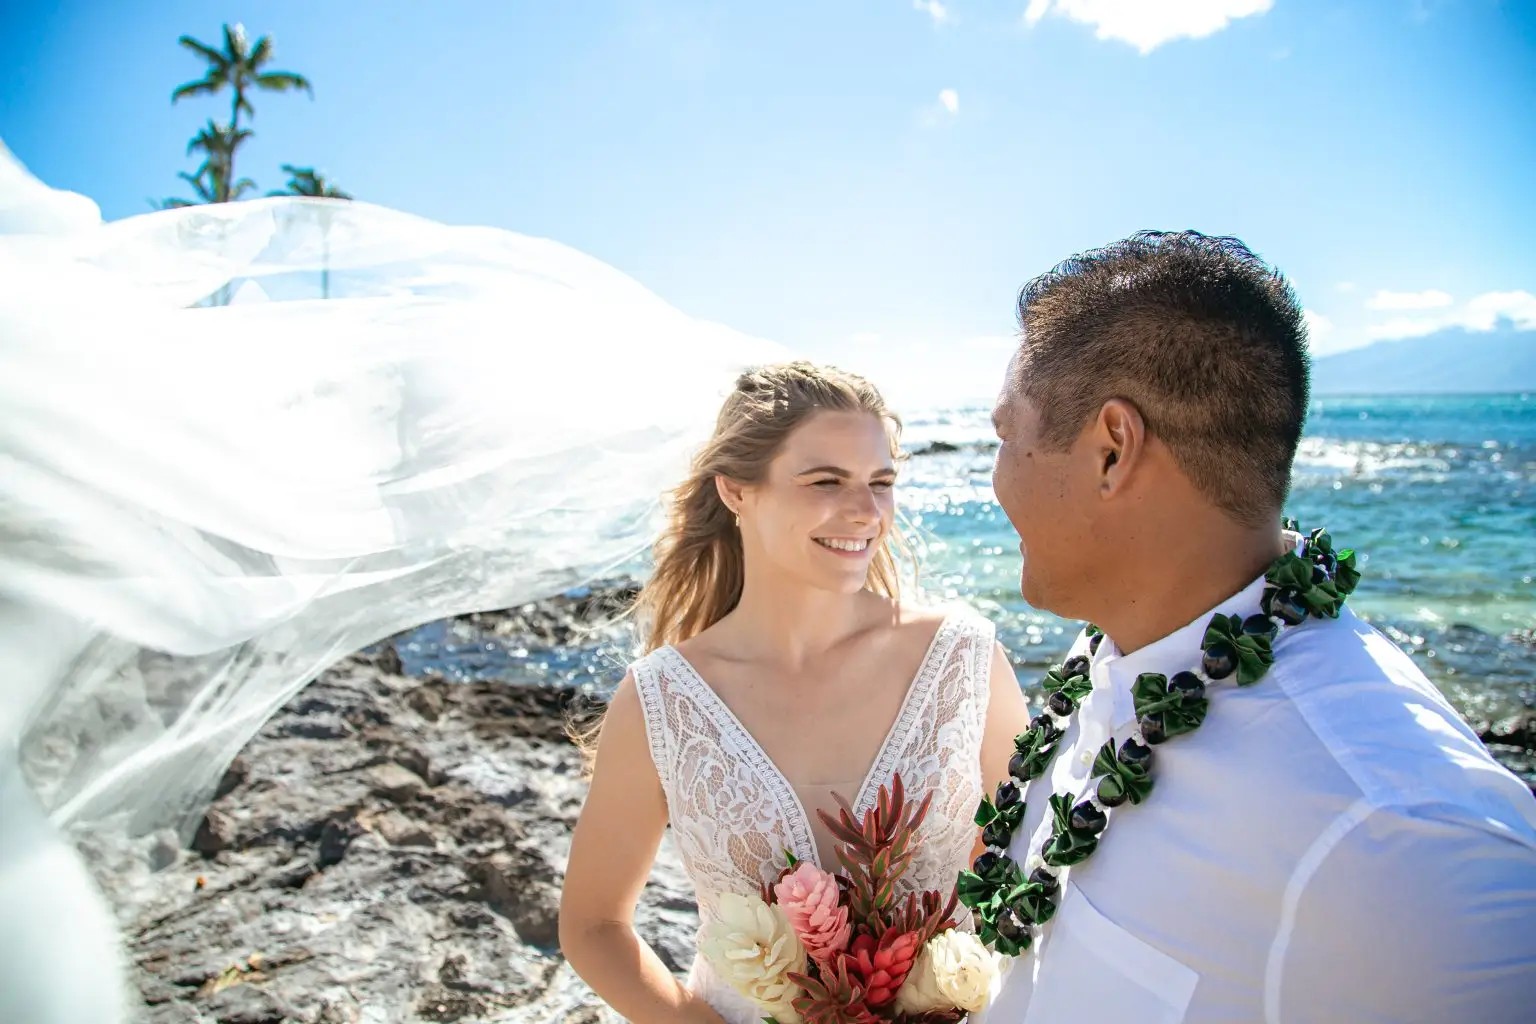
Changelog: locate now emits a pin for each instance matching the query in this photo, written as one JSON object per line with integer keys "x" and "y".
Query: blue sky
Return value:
{"x": 866, "y": 180}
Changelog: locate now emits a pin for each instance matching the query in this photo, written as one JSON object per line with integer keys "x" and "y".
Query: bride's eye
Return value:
{"x": 833, "y": 482}
{"x": 883, "y": 485}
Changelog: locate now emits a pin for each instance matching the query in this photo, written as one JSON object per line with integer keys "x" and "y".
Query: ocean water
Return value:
{"x": 1438, "y": 494}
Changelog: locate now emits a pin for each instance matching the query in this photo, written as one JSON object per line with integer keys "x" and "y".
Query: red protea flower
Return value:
{"x": 880, "y": 967}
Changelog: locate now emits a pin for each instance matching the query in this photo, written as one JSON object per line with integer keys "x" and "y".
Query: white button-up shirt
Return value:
{"x": 1332, "y": 844}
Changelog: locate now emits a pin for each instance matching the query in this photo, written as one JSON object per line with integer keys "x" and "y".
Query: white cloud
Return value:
{"x": 935, "y": 10}
{"x": 1482, "y": 313}
{"x": 1346, "y": 286}
{"x": 1431, "y": 299}
{"x": 1319, "y": 328}
{"x": 864, "y": 338}
{"x": 949, "y": 100}
{"x": 1148, "y": 24}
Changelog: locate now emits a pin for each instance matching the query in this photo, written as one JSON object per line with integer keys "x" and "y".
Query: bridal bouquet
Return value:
{"x": 820, "y": 948}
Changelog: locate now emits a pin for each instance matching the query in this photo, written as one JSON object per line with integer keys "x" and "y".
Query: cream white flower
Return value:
{"x": 753, "y": 949}
{"x": 920, "y": 992}
{"x": 953, "y": 970}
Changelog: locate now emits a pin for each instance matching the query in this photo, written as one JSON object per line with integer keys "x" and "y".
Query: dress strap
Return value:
{"x": 651, "y": 684}
{"x": 983, "y": 635}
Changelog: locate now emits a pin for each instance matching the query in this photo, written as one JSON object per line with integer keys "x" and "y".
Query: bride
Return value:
{"x": 784, "y": 670}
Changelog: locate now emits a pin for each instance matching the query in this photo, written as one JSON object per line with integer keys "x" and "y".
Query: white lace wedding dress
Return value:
{"x": 734, "y": 812}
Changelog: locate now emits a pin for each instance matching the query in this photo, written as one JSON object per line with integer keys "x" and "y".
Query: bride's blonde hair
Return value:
{"x": 699, "y": 568}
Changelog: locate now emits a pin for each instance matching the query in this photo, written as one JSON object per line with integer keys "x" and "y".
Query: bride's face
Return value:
{"x": 827, "y": 502}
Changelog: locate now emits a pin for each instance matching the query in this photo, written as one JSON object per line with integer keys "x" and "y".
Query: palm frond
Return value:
{"x": 284, "y": 81}
{"x": 204, "y": 51}
{"x": 202, "y": 86}
{"x": 261, "y": 52}
{"x": 234, "y": 43}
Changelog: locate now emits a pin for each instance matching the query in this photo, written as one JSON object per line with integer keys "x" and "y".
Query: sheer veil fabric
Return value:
{"x": 214, "y": 483}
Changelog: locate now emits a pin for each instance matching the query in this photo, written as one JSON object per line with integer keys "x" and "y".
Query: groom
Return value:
{"x": 1329, "y": 842}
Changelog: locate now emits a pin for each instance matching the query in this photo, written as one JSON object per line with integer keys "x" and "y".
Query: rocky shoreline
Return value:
{"x": 390, "y": 848}
{"x": 387, "y": 849}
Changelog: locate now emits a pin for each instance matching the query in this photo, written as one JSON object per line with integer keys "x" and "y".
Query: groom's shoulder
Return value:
{"x": 1347, "y": 663}
{"x": 1379, "y": 719}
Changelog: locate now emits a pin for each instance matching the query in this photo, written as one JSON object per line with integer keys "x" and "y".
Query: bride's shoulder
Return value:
{"x": 930, "y": 618}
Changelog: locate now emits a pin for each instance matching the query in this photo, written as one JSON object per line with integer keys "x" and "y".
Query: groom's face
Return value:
{"x": 1049, "y": 500}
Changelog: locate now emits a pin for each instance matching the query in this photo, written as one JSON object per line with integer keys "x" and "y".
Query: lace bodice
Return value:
{"x": 733, "y": 812}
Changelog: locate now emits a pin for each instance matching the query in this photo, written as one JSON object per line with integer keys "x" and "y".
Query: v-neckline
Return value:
{"x": 772, "y": 766}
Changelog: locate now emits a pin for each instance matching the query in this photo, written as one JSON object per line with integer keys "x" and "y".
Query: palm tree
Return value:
{"x": 239, "y": 66}
{"x": 218, "y": 145}
{"x": 207, "y": 185}
{"x": 306, "y": 181}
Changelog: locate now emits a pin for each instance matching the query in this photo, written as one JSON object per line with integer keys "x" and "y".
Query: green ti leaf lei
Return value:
{"x": 1010, "y": 906}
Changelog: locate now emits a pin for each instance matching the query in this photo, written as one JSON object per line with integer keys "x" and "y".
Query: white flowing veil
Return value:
{"x": 214, "y": 482}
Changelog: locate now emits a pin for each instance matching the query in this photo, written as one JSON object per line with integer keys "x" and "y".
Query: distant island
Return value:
{"x": 1450, "y": 361}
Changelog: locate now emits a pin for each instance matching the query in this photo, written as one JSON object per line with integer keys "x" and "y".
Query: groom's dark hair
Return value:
{"x": 1206, "y": 341}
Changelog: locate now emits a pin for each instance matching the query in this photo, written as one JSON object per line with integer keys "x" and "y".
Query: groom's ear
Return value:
{"x": 1122, "y": 442}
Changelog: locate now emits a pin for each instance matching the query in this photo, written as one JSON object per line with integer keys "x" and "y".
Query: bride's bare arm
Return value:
{"x": 1007, "y": 716}
{"x": 612, "y": 850}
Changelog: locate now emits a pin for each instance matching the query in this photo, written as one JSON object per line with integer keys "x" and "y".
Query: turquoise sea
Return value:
{"x": 1438, "y": 494}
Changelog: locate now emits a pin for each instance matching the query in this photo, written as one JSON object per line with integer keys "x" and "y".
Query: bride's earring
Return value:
{"x": 738, "y": 520}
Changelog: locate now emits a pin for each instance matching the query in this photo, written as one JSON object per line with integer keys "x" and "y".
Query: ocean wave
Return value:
{"x": 1412, "y": 461}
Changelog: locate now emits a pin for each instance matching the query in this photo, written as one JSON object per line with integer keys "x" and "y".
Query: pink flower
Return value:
{"x": 810, "y": 900}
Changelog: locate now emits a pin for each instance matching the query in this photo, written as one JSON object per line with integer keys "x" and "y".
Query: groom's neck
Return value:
{"x": 1177, "y": 572}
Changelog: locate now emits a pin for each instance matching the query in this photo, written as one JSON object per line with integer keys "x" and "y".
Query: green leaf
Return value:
{"x": 1105, "y": 762}
{"x": 1187, "y": 718}
{"x": 1221, "y": 629}
{"x": 1253, "y": 660}
{"x": 1290, "y": 571}
{"x": 985, "y": 813}
{"x": 973, "y": 890}
{"x": 1075, "y": 687}
{"x": 1149, "y": 689}
{"x": 1138, "y": 788}
{"x": 1061, "y": 811}
{"x": 790, "y": 857}
{"x": 1068, "y": 848}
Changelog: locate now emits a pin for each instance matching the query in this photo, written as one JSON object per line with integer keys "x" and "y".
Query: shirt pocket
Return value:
{"x": 1092, "y": 969}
